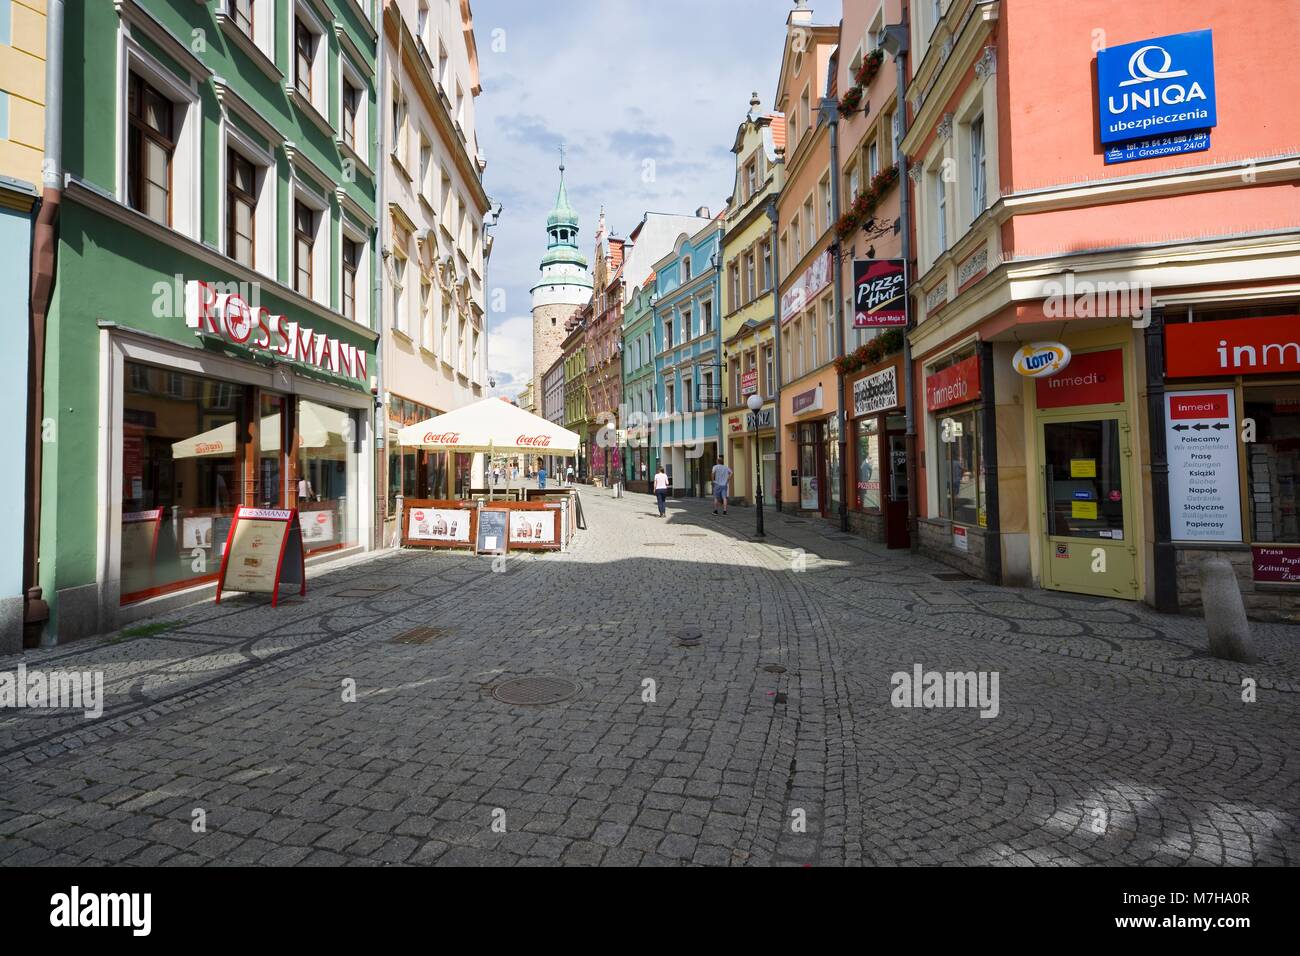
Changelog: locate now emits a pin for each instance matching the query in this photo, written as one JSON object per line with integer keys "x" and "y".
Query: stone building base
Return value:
{"x": 936, "y": 543}
{"x": 1264, "y": 602}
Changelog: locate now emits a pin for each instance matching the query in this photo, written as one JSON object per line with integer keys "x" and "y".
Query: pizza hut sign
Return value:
{"x": 228, "y": 316}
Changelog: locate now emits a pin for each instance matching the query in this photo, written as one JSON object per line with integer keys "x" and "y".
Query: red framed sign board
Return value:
{"x": 263, "y": 553}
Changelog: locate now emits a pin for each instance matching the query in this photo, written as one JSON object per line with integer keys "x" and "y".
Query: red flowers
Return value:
{"x": 864, "y": 205}
{"x": 886, "y": 343}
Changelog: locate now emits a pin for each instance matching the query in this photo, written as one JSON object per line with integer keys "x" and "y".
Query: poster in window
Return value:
{"x": 317, "y": 527}
{"x": 196, "y": 532}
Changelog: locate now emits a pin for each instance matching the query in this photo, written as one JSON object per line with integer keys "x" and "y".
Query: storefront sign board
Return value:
{"x": 264, "y": 552}
{"x": 876, "y": 393}
{"x": 439, "y": 524}
{"x": 879, "y": 294}
{"x": 1269, "y": 346}
{"x": 813, "y": 280}
{"x": 1156, "y": 87}
{"x": 1092, "y": 378}
{"x": 1204, "y": 482}
{"x": 1276, "y": 564}
{"x": 955, "y": 385}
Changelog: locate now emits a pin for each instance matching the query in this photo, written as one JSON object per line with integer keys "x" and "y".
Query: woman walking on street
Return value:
{"x": 661, "y": 489}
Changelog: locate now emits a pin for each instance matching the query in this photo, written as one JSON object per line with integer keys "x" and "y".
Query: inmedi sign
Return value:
{"x": 229, "y": 317}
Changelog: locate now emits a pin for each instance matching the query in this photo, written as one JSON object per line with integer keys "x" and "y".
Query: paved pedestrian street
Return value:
{"x": 772, "y": 741}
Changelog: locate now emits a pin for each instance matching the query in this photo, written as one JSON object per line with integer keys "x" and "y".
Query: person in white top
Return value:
{"x": 661, "y": 490}
{"x": 721, "y": 479}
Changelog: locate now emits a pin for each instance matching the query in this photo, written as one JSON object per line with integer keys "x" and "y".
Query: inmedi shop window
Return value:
{"x": 961, "y": 469}
{"x": 1085, "y": 465}
{"x": 1273, "y": 463}
{"x": 183, "y": 444}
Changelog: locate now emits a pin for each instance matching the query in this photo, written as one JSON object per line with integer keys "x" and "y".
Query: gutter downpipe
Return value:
{"x": 830, "y": 114}
{"x": 779, "y": 484}
{"x": 45, "y": 240}
{"x": 380, "y": 417}
{"x": 899, "y": 35}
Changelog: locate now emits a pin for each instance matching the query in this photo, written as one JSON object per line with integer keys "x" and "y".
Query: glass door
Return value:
{"x": 1089, "y": 542}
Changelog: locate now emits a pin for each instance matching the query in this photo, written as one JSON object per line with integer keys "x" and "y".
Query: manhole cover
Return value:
{"x": 774, "y": 668}
{"x": 688, "y": 638}
{"x": 535, "y": 690}
{"x": 419, "y": 635}
{"x": 949, "y": 576}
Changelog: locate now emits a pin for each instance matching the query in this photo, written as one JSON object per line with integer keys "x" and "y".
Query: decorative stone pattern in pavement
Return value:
{"x": 1116, "y": 741}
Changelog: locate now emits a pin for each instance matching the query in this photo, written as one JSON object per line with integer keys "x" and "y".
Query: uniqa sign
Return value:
{"x": 1041, "y": 358}
{"x": 1157, "y": 86}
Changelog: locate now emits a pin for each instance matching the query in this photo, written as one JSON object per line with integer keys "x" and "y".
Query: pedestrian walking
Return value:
{"x": 661, "y": 490}
{"x": 541, "y": 477}
{"x": 721, "y": 479}
{"x": 568, "y": 476}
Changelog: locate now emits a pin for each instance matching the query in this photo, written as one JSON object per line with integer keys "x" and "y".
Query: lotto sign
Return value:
{"x": 1152, "y": 88}
{"x": 879, "y": 293}
{"x": 263, "y": 551}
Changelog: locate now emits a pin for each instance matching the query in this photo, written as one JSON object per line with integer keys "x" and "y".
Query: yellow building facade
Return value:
{"x": 22, "y": 89}
{"x": 748, "y": 278}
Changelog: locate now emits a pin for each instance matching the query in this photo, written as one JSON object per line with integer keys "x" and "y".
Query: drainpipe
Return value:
{"x": 776, "y": 351}
{"x": 36, "y": 611}
{"x": 830, "y": 114}
{"x": 896, "y": 42}
{"x": 380, "y": 417}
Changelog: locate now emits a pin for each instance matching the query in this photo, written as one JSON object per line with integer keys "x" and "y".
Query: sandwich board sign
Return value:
{"x": 263, "y": 553}
{"x": 492, "y": 531}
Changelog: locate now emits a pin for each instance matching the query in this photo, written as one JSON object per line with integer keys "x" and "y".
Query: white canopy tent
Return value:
{"x": 492, "y": 426}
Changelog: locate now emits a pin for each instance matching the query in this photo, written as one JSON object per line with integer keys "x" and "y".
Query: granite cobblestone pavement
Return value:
{"x": 771, "y": 742}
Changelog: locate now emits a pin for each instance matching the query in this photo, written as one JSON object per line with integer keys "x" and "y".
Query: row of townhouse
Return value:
{"x": 259, "y": 249}
{"x": 1028, "y": 308}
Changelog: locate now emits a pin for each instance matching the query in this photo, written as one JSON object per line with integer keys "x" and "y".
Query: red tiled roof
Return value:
{"x": 778, "y": 130}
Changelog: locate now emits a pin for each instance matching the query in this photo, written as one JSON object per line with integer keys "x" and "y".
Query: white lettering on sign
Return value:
{"x": 1204, "y": 483}
{"x": 228, "y": 316}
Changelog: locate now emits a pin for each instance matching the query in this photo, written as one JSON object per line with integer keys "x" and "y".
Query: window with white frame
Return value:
{"x": 809, "y": 223}
{"x": 751, "y": 278}
{"x": 813, "y": 355}
{"x": 250, "y": 219}
{"x": 706, "y": 313}
{"x": 311, "y": 247}
{"x": 355, "y": 110}
{"x": 979, "y": 197}
{"x": 824, "y": 189}
{"x": 426, "y": 314}
{"x": 688, "y": 325}
{"x": 400, "y": 321}
{"x": 686, "y": 269}
{"x": 424, "y": 182}
{"x": 159, "y": 166}
{"x": 310, "y": 70}
{"x": 769, "y": 372}
{"x": 254, "y": 20}
{"x": 828, "y": 307}
{"x": 445, "y": 335}
{"x": 873, "y": 160}
{"x": 940, "y": 192}
{"x": 854, "y": 182}
{"x": 350, "y": 267}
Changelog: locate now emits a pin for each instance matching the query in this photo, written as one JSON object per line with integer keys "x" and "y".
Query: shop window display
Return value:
{"x": 961, "y": 469}
{"x": 327, "y": 476}
{"x": 1273, "y": 463}
{"x": 867, "y": 445}
{"x": 184, "y": 443}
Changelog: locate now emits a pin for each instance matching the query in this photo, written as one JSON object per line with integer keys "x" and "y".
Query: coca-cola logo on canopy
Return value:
{"x": 441, "y": 438}
{"x": 535, "y": 441}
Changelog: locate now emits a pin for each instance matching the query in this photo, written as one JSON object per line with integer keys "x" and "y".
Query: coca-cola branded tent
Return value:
{"x": 492, "y": 426}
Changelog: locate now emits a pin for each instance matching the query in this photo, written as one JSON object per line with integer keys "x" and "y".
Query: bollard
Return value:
{"x": 1226, "y": 627}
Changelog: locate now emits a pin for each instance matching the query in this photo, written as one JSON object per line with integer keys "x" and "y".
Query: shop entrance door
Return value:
{"x": 1089, "y": 540}
{"x": 896, "y": 535}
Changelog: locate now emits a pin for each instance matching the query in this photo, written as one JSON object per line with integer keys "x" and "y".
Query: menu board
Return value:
{"x": 1204, "y": 483}
{"x": 439, "y": 524}
{"x": 492, "y": 531}
{"x": 263, "y": 552}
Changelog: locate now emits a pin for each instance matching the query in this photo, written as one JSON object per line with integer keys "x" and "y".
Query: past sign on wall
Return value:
{"x": 1204, "y": 495}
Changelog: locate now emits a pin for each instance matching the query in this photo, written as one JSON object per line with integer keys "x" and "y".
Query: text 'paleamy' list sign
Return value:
{"x": 879, "y": 293}
{"x": 1156, "y": 96}
{"x": 1204, "y": 493}
{"x": 229, "y": 317}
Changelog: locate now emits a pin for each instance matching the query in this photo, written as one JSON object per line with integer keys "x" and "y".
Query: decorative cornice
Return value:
{"x": 944, "y": 129}
{"x": 936, "y": 296}
{"x": 135, "y": 15}
{"x": 987, "y": 64}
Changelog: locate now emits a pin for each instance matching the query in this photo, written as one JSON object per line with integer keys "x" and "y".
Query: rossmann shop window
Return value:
{"x": 1231, "y": 418}
{"x": 204, "y": 430}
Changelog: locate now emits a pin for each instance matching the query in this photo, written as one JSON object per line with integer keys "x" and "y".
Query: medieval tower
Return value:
{"x": 564, "y": 286}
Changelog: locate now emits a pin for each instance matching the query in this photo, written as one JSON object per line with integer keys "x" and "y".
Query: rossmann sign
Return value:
{"x": 1153, "y": 88}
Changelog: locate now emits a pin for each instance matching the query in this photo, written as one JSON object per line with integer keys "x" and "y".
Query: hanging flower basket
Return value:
{"x": 851, "y": 100}
{"x": 869, "y": 67}
{"x": 877, "y": 350}
{"x": 864, "y": 204}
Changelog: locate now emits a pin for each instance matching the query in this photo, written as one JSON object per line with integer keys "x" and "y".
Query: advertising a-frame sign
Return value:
{"x": 263, "y": 553}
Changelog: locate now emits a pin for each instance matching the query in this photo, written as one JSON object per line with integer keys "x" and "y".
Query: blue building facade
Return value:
{"x": 689, "y": 378}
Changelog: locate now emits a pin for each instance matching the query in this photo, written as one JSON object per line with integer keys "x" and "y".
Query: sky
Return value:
{"x": 621, "y": 83}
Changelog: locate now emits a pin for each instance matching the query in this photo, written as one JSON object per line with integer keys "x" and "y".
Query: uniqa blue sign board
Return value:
{"x": 1153, "y": 88}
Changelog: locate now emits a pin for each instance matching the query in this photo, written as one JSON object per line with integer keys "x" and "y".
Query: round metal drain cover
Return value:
{"x": 774, "y": 668}
{"x": 535, "y": 691}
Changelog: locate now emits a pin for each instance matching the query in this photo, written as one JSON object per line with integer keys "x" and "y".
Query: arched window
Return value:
{"x": 686, "y": 269}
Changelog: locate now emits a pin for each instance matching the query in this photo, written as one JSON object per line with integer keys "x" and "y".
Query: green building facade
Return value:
{"x": 211, "y": 340}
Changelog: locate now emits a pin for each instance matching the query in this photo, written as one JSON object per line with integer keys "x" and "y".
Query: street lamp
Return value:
{"x": 755, "y": 403}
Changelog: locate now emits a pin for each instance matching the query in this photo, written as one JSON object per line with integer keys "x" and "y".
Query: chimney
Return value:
{"x": 703, "y": 212}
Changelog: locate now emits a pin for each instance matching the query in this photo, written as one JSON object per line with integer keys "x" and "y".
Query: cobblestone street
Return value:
{"x": 1117, "y": 740}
